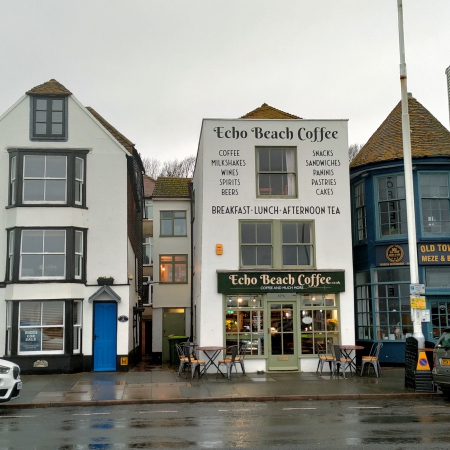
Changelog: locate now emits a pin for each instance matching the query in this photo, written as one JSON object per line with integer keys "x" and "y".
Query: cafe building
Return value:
{"x": 380, "y": 235}
{"x": 272, "y": 255}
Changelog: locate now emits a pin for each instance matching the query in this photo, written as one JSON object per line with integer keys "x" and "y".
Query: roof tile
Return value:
{"x": 428, "y": 137}
{"x": 266, "y": 111}
{"x": 51, "y": 87}
{"x": 169, "y": 187}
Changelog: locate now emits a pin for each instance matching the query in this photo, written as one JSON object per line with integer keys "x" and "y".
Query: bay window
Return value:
{"x": 46, "y": 254}
{"x": 47, "y": 177}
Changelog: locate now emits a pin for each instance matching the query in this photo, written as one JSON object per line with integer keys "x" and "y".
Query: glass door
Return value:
{"x": 282, "y": 333}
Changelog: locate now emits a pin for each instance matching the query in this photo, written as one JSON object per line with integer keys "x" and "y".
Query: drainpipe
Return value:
{"x": 416, "y": 314}
{"x": 191, "y": 198}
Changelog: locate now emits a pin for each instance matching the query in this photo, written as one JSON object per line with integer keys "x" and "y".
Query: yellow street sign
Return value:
{"x": 418, "y": 302}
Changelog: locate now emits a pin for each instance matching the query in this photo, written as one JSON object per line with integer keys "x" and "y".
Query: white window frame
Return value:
{"x": 43, "y": 253}
{"x": 147, "y": 247}
{"x": 11, "y": 255}
{"x": 46, "y": 180}
{"x": 13, "y": 179}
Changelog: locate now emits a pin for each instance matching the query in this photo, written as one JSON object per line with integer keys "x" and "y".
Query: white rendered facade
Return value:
{"x": 48, "y": 319}
{"x": 236, "y": 193}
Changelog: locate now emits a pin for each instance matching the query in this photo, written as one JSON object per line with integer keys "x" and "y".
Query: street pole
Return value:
{"x": 416, "y": 314}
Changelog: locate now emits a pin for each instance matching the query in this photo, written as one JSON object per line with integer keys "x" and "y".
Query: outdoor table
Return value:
{"x": 349, "y": 352}
{"x": 211, "y": 353}
{"x": 190, "y": 347}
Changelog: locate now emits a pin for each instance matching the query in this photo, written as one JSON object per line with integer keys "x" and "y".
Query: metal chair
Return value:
{"x": 340, "y": 360}
{"x": 323, "y": 358}
{"x": 230, "y": 362}
{"x": 194, "y": 363}
{"x": 184, "y": 360}
{"x": 372, "y": 358}
{"x": 241, "y": 355}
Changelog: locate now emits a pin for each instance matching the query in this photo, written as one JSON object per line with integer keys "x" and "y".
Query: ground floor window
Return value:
{"x": 383, "y": 304}
{"x": 244, "y": 322}
{"x": 285, "y": 327}
{"x": 41, "y": 327}
{"x": 440, "y": 317}
{"x": 77, "y": 311}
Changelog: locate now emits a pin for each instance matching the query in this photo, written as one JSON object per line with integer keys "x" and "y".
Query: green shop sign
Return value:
{"x": 288, "y": 281}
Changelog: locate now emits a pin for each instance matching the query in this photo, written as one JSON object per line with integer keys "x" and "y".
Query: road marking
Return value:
{"x": 92, "y": 414}
{"x": 365, "y": 407}
{"x": 289, "y": 409}
{"x": 14, "y": 417}
{"x": 153, "y": 412}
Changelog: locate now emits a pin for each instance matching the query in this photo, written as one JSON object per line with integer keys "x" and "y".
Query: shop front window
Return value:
{"x": 364, "y": 315}
{"x": 244, "y": 322}
{"x": 440, "y": 317}
{"x": 392, "y": 308}
{"x": 319, "y": 322}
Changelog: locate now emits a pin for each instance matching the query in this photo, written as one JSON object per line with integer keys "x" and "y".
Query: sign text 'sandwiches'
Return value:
{"x": 293, "y": 281}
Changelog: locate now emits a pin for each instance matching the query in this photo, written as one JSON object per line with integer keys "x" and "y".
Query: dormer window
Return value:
{"x": 48, "y": 118}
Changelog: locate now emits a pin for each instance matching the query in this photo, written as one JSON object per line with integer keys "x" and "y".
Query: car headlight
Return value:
{"x": 4, "y": 369}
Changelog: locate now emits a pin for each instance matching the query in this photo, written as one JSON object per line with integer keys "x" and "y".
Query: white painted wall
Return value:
{"x": 332, "y": 229}
{"x": 108, "y": 248}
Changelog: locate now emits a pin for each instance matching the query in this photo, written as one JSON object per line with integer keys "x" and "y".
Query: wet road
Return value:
{"x": 390, "y": 424}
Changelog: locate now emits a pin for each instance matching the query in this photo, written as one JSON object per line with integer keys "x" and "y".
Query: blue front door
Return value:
{"x": 105, "y": 336}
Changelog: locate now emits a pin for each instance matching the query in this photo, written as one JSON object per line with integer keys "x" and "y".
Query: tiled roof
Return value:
{"x": 149, "y": 185}
{"x": 266, "y": 111}
{"x": 51, "y": 87}
{"x": 428, "y": 137}
{"x": 168, "y": 187}
{"x": 119, "y": 136}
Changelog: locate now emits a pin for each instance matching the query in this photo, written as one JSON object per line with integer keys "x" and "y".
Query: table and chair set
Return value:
{"x": 343, "y": 357}
{"x": 188, "y": 354}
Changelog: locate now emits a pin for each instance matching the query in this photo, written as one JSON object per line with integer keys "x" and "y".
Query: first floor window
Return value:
{"x": 43, "y": 254}
{"x": 360, "y": 212}
{"x": 41, "y": 327}
{"x": 392, "y": 205}
{"x": 173, "y": 223}
{"x": 78, "y": 254}
{"x": 148, "y": 209}
{"x": 435, "y": 202}
{"x": 147, "y": 247}
{"x": 173, "y": 268}
{"x": 437, "y": 277}
{"x": 276, "y": 243}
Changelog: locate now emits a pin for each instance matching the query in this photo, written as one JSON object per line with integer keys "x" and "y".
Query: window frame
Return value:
{"x": 77, "y": 326}
{"x": 17, "y": 178}
{"x": 173, "y": 267}
{"x": 360, "y": 211}
{"x": 34, "y": 111}
{"x": 41, "y": 326}
{"x": 289, "y": 172}
{"x": 421, "y": 176}
{"x": 172, "y": 222}
{"x": 277, "y": 244}
{"x": 147, "y": 243}
{"x": 392, "y": 231}
{"x": 14, "y": 275}
{"x": 148, "y": 206}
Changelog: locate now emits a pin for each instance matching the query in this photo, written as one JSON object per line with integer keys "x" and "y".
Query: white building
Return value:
{"x": 272, "y": 238}
{"x": 71, "y": 213}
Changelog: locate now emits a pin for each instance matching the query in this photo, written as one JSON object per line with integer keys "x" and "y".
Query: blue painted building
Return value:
{"x": 380, "y": 245}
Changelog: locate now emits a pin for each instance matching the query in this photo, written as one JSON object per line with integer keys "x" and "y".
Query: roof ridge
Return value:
{"x": 51, "y": 87}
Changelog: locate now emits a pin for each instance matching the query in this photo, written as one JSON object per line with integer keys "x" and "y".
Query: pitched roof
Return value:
{"x": 428, "y": 137}
{"x": 117, "y": 135}
{"x": 169, "y": 187}
{"x": 266, "y": 111}
{"x": 51, "y": 87}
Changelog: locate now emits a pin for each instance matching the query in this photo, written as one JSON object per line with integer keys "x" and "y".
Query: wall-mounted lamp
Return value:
{"x": 130, "y": 276}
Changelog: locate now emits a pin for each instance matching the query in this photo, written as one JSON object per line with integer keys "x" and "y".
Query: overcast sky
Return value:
{"x": 155, "y": 68}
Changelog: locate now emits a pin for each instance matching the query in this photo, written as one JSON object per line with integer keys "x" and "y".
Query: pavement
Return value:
{"x": 147, "y": 383}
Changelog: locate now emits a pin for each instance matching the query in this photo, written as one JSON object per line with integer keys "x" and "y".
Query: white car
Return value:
{"x": 10, "y": 383}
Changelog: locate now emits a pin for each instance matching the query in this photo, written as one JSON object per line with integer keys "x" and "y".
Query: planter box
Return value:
{"x": 106, "y": 282}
